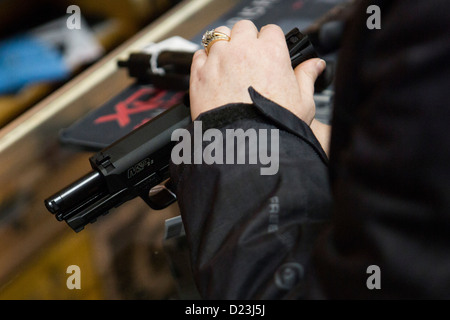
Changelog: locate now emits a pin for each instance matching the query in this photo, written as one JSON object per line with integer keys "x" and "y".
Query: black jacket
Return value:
{"x": 313, "y": 229}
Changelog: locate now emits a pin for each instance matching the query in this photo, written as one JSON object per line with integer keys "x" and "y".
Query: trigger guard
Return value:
{"x": 159, "y": 197}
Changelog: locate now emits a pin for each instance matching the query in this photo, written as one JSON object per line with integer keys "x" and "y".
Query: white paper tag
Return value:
{"x": 175, "y": 43}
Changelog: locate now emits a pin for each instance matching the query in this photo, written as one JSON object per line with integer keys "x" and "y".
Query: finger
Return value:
{"x": 307, "y": 73}
{"x": 244, "y": 30}
{"x": 272, "y": 32}
{"x": 198, "y": 61}
{"x": 217, "y": 45}
{"x": 274, "y": 39}
{"x": 224, "y": 29}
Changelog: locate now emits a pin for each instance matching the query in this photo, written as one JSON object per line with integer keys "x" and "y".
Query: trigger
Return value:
{"x": 160, "y": 197}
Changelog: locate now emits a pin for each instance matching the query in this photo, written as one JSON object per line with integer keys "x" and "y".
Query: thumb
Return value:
{"x": 307, "y": 73}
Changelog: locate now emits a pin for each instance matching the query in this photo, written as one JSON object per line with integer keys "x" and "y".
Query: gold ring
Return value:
{"x": 212, "y": 36}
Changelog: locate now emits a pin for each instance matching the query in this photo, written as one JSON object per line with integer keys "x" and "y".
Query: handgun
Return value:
{"x": 137, "y": 165}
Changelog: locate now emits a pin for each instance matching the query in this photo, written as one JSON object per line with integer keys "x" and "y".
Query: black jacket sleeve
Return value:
{"x": 251, "y": 235}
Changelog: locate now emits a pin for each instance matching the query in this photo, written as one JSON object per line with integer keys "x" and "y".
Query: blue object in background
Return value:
{"x": 25, "y": 60}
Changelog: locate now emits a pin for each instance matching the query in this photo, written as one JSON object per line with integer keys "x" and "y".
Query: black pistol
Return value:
{"x": 130, "y": 167}
{"x": 137, "y": 165}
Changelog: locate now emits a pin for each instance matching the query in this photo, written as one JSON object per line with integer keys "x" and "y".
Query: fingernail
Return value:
{"x": 320, "y": 65}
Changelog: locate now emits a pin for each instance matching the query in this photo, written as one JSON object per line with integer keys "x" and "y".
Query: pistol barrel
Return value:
{"x": 75, "y": 193}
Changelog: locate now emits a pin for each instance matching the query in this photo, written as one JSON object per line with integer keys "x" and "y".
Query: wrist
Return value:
{"x": 322, "y": 132}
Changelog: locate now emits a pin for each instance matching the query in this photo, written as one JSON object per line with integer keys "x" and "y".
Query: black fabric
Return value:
{"x": 390, "y": 156}
{"x": 384, "y": 198}
{"x": 228, "y": 210}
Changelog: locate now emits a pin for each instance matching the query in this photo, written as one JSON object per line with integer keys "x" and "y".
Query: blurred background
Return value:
{"x": 38, "y": 52}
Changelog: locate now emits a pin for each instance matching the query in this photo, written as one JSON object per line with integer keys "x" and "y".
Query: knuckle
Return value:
{"x": 273, "y": 27}
{"x": 196, "y": 54}
{"x": 274, "y": 31}
{"x": 244, "y": 24}
{"x": 223, "y": 29}
{"x": 196, "y": 58}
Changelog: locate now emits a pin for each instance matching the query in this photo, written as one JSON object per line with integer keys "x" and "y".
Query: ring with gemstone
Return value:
{"x": 212, "y": 36}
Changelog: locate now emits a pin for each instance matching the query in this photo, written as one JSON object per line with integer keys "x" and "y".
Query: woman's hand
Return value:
{"x": 251, "y": 58}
